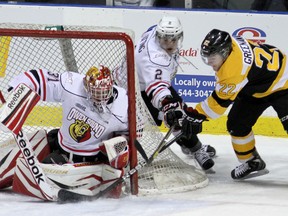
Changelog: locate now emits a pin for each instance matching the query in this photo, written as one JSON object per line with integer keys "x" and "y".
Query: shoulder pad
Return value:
{"x": 72, "y": 82}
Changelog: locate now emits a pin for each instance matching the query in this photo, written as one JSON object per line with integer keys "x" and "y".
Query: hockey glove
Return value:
{"x": 117, "y": 151}
{"x": 174, "y": 117}
{"x": 192, "y": 124}
{"x": 173, "y": 112}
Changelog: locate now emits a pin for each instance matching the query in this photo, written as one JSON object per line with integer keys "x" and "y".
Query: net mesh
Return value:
{"x": 168, "y": 173}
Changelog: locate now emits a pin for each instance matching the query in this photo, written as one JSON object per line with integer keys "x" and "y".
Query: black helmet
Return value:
{"x": 216, "y": 41}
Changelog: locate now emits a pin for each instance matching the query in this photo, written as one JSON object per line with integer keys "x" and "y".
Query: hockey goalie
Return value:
{"x": 84, "y": 155}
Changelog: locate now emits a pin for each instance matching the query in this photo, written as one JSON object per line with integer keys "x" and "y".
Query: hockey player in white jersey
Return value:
{"x": 156, "y": 57}
{"x": 94, "y": 109}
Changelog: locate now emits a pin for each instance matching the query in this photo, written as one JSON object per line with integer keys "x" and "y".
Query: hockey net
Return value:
{"x": 77, "y": 48}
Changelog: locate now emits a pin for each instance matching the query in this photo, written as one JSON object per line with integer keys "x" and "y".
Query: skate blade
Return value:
{"x": 210, "y": 171}
{"x": 255, "y": 174}
{"x": 191, "y": 156}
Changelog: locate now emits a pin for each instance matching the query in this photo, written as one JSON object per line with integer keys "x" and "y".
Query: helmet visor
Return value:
{"x": 170, "y": 43}
{"x": 100, "y": 93}
{"x": 214, "y": 60}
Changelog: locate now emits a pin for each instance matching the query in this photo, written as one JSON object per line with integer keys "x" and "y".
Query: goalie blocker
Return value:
{"x": 17, "y": 108}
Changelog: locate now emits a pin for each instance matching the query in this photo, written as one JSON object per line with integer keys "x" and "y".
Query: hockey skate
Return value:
{"x": 252, "y": 168}
{"x": 207, "y": 148}
{"x": 201, "y": 155}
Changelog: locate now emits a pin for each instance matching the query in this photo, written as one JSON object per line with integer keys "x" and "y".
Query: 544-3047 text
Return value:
{"x": 194, "y": 93}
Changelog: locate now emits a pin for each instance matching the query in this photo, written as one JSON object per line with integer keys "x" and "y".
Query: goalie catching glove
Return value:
{"x": 117, "y": 151}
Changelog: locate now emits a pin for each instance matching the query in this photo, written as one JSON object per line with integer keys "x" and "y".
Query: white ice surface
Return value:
{"x": 266, "y": 195}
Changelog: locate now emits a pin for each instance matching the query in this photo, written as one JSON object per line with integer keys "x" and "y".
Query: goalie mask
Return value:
{"x": 169, "y": 33}
{"x": 99, "y": 86}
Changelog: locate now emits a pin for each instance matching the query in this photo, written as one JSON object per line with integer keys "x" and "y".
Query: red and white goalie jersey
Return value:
{"x": 155, "y": 67}
{"x": 83, "y": 127}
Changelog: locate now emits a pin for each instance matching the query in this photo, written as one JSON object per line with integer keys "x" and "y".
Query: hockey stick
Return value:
{"x": 161, "y": 147}
{"x": 164, "y": 145}
{"x": 178, "y": 136}
{"x": 142, "y": 151}
{"x": 65, "y": 196}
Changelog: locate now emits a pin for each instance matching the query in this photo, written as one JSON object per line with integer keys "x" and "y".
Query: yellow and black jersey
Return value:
{"x": 254, "y": 70}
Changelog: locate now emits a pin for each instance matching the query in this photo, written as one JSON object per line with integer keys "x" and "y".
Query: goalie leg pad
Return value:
{"x": 10, "y": 152}
{"x": 117, "y": 151}
{"x": 82, "y": 178}
{"x": 110, "y": 175}
{"x": 24, "y": 182}
{"x": 7, "y": 166}
{"x": 17, "y": 108}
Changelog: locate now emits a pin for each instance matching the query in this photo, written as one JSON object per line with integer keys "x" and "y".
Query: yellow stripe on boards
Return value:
{"x": 266, "y": 126}
{"x": 45, "y": 116}
{"x": 4, "y": 51}
{"x": 48, "y": 116}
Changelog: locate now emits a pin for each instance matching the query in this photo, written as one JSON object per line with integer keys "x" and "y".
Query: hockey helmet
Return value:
{"x": 98, "y": 84}
{"x": 169, "y": 33}
{"x": 216, "y": 42}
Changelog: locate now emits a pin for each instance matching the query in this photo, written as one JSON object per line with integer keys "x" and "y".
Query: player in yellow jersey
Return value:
{"x": 251, "y": 77}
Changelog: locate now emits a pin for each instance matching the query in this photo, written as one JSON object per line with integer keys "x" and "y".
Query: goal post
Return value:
{"x": 77, "y": 48}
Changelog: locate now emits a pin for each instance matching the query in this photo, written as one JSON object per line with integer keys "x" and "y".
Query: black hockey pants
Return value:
{"x": 246, "y": 110}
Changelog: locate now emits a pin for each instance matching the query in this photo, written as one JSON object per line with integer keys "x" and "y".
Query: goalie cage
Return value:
{"x": 28, "y": 46}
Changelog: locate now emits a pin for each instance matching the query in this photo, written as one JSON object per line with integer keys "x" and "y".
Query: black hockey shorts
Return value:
{"x": 57, "y": 153}
{"x": 246, "y": 110}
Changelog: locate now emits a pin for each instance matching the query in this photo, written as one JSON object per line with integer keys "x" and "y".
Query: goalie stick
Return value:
{"x": 65, "y": 196}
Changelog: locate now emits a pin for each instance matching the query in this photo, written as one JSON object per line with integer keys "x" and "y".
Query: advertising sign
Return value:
{"x": 194, "y": 88}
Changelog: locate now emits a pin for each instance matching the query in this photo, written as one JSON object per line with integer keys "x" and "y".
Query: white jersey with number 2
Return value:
{"x": 155, "y": 67}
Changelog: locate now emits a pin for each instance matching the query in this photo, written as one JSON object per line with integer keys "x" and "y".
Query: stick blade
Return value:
{"x": 65, "y": 196}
